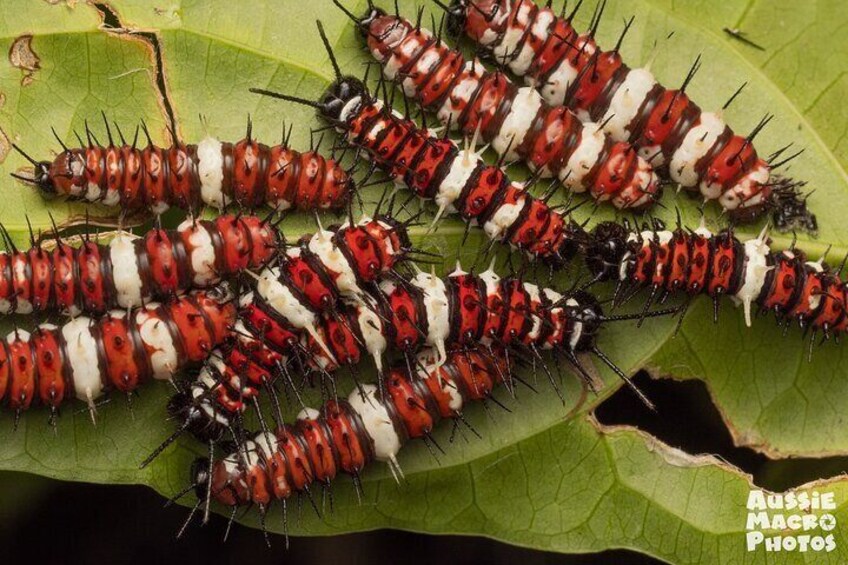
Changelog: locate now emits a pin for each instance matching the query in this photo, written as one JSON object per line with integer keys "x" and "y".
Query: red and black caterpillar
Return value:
{"x": 514, "y": 120}
{"x": 695, "y": 262}
{"x": 698, "y": 149}
{"x": 85, "y": 357}
{"x": 424, "y": 311}
{"x": 435, "y": 168}
{"x": 347, "y": 435}
{"x": 190, "y": 177}
{"x": 131, "y": 271}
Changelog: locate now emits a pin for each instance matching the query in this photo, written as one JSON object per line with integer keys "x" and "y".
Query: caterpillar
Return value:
{"x": 346, "y": 435}
{"x": 698, "y": 149}
{"x": 406, "y": 315}
{"x": 130, "y": 271}
{"x": 85, "y": 358}
{"x": 187, "y": 176}
{"x": 693, "y": 262}
{"x": 514, "y": 120}
{"x": 436, "y": 168}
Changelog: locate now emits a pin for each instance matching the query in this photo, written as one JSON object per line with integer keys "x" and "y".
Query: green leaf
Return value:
{"x": 545, "y": 475}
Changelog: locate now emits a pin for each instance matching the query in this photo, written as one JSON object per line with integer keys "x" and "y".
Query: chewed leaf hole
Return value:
{"x": 688, "y": 420}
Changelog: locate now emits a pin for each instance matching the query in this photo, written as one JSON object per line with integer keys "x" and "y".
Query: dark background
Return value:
{"x": 46, "y": 522}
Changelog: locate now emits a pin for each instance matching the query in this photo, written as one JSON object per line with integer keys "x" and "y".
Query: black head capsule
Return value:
{"x": 371, "y": 14}
{"x": 200, "y": 477}
{"x": 456, "y": 17}
{"x": 43, "y": 180}
{"x": 589, "y": 313}
{"x": 42, "y": 175}
{"x": 342, "y": 98}
{"x": 607, "y": 245}
{"x": 198, "y": 417}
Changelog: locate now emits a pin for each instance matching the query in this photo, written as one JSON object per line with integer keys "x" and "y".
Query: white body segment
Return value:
{"x": 93, "y": 192}
{"x": 584, "y": 158}
{"x": 517, "y": 123}
{"x": 373, "y": 335}
{"x": 438, "y": 311}
{"x": 555, "y": 89}
{"x": 210, "y": 170}
{"x": 492, "y": 282}
{"x": 576, "y": 327}
{"x": 814, "y": 300}
{"x": 409, "y": 44}
{"x": 209, "y": 382}
{"x": 626, "y": 102}
{"x": 503, "y": 218}
{"x": 348, "y": 108}
{"x": 461, "y": 169}
{"x": 662, "y": 239}
{"x": 22, "y": 305}
{"x": 77, "y": 167}
{"x": 322, "y": 245}
{"x": 521, "y": 63}
{"x": 697, "y": 143}
{"x": 201, "y": 252}
{"x": 460, "y": 94}
{"x": 754, "y": 276}
{"x": 157, "y": 337}
{"x": 429, "y": 58}
{"x": 125, "y": 271}
{"x": 82, "y": 358}
{"x": 535, "y": 299}
{"x": 506, "y": 48}
{"x": 280, "y": 298}
{"x": 378, "y": 425}
{"x": 554, "y": 298}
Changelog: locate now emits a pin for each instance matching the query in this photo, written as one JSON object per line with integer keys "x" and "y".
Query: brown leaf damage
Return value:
{"x": 113, "y": 25}
{"x": 22, "y": 56}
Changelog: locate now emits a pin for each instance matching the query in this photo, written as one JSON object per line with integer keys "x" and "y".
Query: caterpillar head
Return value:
{"x": 476, "y": 18}
{"x": 371, "y": 17}
{"x": 342, "y": 97}
{"x": 52, "y": 178}
{"x": 43, "y": 179}
{"x": 789, "y": 207}
{"x": 221, "y": 293}
{"x": 228, "y": 486}
{"x": 456, "y": 17}
{"x": 589, "y": 313}
{"x": 198, "y": 416}
{"x": 200, "y": 476}
{"x": 606, "y": 248}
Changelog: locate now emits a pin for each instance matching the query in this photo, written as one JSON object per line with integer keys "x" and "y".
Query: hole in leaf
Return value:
{"x": 22, "y": 56}
{"x": 112, "y": 24}
{"x": 687, "y": 419}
